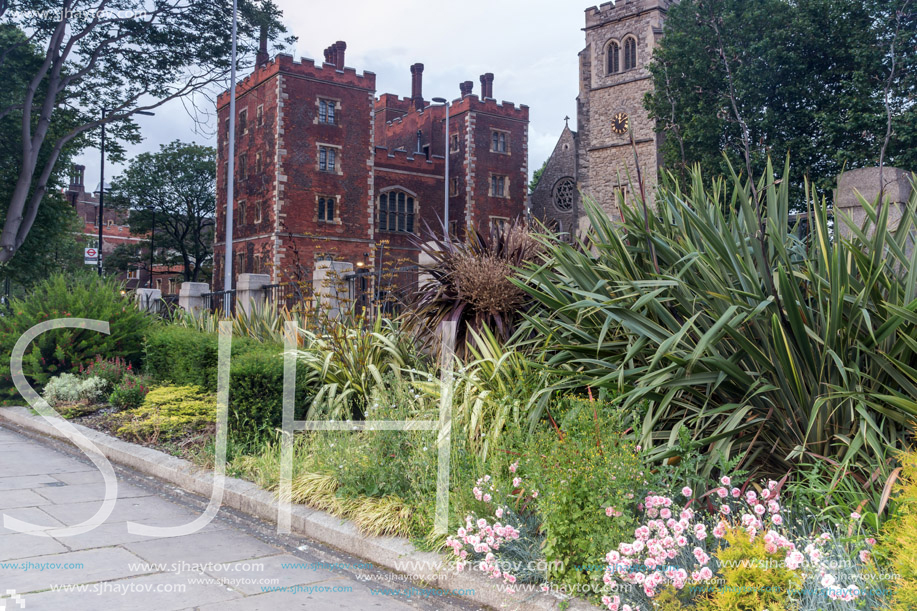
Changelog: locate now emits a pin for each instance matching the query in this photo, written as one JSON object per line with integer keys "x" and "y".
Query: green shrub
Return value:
{"x": 169, "y": 412}
{"x": 110, "y": 370}
{"x": 348, "y": 359}
{"x": 715, "y": 314}
{"x": 129, "y": 392}
{"x": 178, "y": 355}
{"x": 68, "y": 388}
{"x": 587, "y": 478}
{"x": 184, "y": 356}
{"x": 256, "y": 388}
{"x": 64, "y": 350}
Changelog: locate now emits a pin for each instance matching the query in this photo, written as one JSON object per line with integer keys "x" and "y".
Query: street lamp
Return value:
{"x": 230, "y": 167}
{"x": 445, "y": 103}
{"x": 102, "y": 183}
{"x": 152, "y": 210}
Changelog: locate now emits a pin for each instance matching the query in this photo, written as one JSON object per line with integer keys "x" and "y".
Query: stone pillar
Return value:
{"x": 250, "y": 293}
{"x": 329, "y": 286}
{"x": 424, "y": 258}
{"x": 190, "y": 295}
{"x": 148, "y": 300}
{"x": 864, "y": 182}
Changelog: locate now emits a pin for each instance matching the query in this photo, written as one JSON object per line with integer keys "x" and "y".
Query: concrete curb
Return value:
{"x": 393, "y": 553}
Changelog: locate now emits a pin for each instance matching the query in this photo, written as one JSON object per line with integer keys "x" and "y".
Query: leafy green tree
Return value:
{"x": 125, "y": 258}
{"x": 536, "y": 176}
{"x": 52, "y": 243}
{"x": 774, "y": 77}
{"x": 99, "y": 64}
{"x": 177, "y": 186}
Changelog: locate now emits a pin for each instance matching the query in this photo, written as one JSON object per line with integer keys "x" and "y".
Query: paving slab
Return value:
{"x": 67, "y": 494}
{"x": 21, "y": 498}
{"x": 130, "y": 509}
{"x": 134, "y": 594}
{"x": 71, "y": 568}
{"x": 216, "y": 547}
{"x": 20, "y": 545}
{"x": 253, "y": 576}
{"x": 31, "y": 515}
{"x": 320, "y": 598}
{"x": 26, "y": 482}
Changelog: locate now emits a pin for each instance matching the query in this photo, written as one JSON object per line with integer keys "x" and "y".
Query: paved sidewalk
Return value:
{"x": 235, "y": 563}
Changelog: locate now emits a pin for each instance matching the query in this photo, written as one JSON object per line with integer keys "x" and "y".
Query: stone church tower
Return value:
{"x": 620, "y": 38}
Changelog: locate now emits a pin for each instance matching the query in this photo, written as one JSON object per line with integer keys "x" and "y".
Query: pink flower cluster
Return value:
{"x": 478, "y": 491}
{"x": 647, "y": 561}
{"x": 673, "y": 537}
{"x": 475, "y": 544}
{"x": 759, "y": 513}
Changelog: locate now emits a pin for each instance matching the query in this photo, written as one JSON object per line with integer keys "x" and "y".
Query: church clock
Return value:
{"x": 619, "y": 123}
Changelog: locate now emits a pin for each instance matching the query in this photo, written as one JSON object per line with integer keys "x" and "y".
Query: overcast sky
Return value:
{"x": 531, "y": 47}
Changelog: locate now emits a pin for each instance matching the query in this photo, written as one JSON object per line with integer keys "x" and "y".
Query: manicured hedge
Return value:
{"x": 182, "y": 356}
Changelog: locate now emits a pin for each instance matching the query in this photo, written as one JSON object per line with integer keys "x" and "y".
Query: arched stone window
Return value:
{"x": 564, "y": 194}
{"x": 630, "y": 53}
{"x": 613, "y": 56}
{"x": 396, "y": 211}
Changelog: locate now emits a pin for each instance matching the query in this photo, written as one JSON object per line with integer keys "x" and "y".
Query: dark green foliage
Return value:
{"x": 580, "y": 472}
{"x": 808, "y": 79}
{"x": 182, "y": 356}
{"x": 179, "y": 183}
{"x": 256, "y": 387}
{"x": 64, "y": 350}
{"x": 186, "y": 357}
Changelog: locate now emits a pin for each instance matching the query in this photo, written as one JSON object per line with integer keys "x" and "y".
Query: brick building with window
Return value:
{"x": 115, "y": 229}
{"x": 325, "y": 170}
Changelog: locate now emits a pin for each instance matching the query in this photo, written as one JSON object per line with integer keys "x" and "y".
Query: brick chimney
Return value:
{"x": 76, "y": 177}
{"x": 466, "y": 88}
{"x": 339, "y": 48}
{"x": 487, "y": 85}
{"x": 328, "y": 56}
{"x": 262, "y": 57}
{"x": 417, "y": 85}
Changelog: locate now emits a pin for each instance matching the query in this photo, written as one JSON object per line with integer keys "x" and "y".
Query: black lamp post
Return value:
{"x": 152, "y": 210}
{"x": 102, "y": 182}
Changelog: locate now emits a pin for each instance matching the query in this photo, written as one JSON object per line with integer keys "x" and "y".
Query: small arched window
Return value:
{"x": 630, "y": 53}
{"x": 396, "y": 212}
{"x": 613, "y": 57}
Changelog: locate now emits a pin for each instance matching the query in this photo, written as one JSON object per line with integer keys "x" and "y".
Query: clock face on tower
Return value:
{"x": 619, "y": 123}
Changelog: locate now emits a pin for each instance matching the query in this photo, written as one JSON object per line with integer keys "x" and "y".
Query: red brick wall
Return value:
{"x": 396, "y": 170}
{"x": 478, "y": 120}
{"x": 290, "y": 234}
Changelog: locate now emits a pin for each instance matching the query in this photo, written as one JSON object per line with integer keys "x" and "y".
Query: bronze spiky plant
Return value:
{"x": 469, "y": 282}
